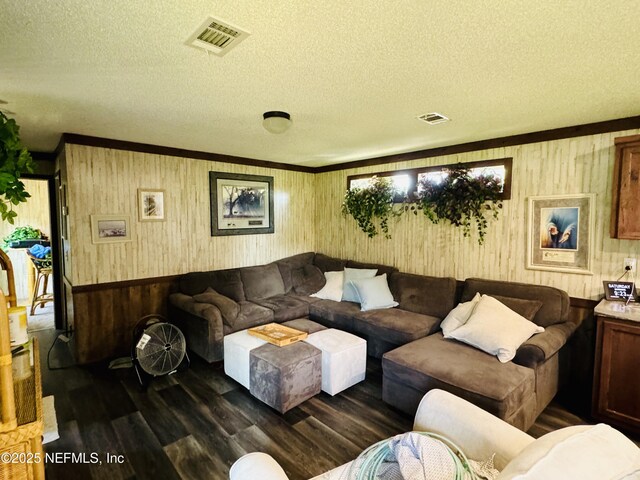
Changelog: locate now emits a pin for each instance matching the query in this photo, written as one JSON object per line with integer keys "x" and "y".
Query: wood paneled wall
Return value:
{"x": 106, "y": 315}
{"x": 574, "y": 165}
{"x": 34, "y": 213}
{"x": 105, "y": 181}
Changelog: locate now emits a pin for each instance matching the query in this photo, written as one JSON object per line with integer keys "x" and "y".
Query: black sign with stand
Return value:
{"x": 614, "y": 290}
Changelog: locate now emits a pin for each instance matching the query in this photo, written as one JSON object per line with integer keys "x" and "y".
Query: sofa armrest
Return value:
{"x": 478, "y": 433}
{"x": 257, "y": 465}
{"x": 543, "y": 346}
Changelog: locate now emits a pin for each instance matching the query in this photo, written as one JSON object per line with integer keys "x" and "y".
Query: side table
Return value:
{"x": 616, "y": 385}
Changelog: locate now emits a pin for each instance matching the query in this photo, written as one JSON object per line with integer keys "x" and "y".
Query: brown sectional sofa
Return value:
{"x": 415, "y": 356}
{"x": 279, "y": 291}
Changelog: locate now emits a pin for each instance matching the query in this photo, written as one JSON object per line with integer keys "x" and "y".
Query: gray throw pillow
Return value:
{"x": 229, "y": 309}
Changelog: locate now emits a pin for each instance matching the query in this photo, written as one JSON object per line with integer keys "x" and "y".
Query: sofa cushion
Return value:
{"x": 395, "y": 325}
{"x": 307, "y": 280}
{"x": 263, "y": 281}
{"x": 334, "y": 314}
{"x": 372, "y": 266}
{"x": 328, "y": 264}
{"x": 285, "y": 307}
{"x": 584, "y": 451}
{"x": 225, "y": 282}
{"x": 228, "y": 308}
{"x": 349, "y": 293}
{"x": 288, "y": 265}
{"x": 555, "y": 302}
{"x": 496, "y": 329}
{"x": 332, "y": 289}
{"x": 527, "y": 308}
{"x": 304, "y": 325}
{"x": 251, "y": 315}
{"x": 459, "y": 315}
{"x": 434, "y": 362}
{"x": 433, "y": 296}
{"x": 373, "y": 293}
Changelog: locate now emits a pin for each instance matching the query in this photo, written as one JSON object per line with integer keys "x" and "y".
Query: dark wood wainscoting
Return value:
{"x": 105, "y": 315}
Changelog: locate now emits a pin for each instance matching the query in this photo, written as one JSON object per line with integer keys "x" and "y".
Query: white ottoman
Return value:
{"x": 344, "y": 358}
{"x": 237, "y": 352}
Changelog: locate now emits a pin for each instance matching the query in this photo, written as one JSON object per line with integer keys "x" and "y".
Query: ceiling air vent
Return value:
{"x": 217, "y": 36}
{"x": 433, "y": 118}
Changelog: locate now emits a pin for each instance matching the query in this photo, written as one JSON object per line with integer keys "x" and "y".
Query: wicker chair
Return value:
{"x": 43, "y": 270}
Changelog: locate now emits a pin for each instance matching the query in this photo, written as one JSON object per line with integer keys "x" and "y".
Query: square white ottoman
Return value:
{"x": 237, "y": 354}
{"x": 344, "y": 358}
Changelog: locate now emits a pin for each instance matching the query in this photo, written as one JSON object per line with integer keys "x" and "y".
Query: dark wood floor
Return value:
{"x": 196, "y": 423}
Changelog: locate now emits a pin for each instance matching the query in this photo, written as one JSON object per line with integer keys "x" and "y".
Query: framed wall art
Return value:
{"x": 110, "y": 228}
{"x": 240, "y": 204}
{"x": 560, "y": 233}
{"x": 151, "y": 205}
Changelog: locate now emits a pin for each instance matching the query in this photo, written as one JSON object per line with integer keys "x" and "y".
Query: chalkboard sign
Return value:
{"x": 619, "y": 290}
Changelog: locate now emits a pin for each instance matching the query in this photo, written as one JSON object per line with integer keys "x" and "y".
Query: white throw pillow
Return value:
{"x": 496, "y": 329}
{"x": 374, "y": 293}
{"x": 348, "y": 292}
{"x": 583, "y": 452}
{"x": 459, "y": 315}
{"x": 332, "y": 290}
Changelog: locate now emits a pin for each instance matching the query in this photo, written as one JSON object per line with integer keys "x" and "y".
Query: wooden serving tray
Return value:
{"x": 278, "y": 334}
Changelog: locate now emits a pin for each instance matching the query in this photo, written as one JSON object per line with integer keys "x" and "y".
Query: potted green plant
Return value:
{"x": 460, "y": 198}
{"x": 15, "y": 160}
{"x": 372, "y": 206}
{"x": 20, "y": 234}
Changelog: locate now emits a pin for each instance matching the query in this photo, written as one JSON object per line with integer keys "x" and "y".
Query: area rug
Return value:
{"x": 50, "y": 420}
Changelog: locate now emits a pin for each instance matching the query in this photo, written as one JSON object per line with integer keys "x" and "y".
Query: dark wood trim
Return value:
{"x": 583, "y": 303}
{"x": 95, "y": 287}
{"x": 43, "y": 156}
{"x": 520, "y": 139}
{"x": 620, "y": 124}
{"x": 413, "y": 173}
{"x": 177, "y": 152}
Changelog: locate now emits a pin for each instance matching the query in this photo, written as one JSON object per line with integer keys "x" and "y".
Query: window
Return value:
{"x": 406, "y": 180}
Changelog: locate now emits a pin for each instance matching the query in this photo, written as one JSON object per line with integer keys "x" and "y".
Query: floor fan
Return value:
{"x": 158, "y": 348}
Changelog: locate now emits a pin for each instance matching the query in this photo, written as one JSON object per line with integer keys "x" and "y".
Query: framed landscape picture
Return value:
{"x": 110, "y": 228}
{"x": 151, "y": 205}
{"x": 240, "y": 204}
{"x": 560, "y": 234}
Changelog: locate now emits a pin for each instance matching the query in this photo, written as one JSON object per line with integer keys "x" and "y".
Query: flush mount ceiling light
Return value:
{"x": 276, "y": 122}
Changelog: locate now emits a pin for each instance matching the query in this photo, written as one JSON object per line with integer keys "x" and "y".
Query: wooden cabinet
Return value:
{"x": 616, "y": 390}
{"x": 625, "y": 221}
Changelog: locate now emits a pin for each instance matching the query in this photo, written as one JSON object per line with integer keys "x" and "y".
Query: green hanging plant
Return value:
{"x": 461, "y": 199}
{"x": 15, "y": 160}
{"x": 372, "y": 206}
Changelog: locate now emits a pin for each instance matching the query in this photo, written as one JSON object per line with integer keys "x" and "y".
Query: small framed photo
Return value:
{"x": 560, "y": 236}
{"x": 151, "y": 205}
{"x": 110, "y": 228}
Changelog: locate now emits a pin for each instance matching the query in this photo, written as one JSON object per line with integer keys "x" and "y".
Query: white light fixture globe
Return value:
{"x": 276, "y": 122}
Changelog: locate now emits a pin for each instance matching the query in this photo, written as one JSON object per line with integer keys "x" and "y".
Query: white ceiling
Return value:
{"x": 353, "y": 75}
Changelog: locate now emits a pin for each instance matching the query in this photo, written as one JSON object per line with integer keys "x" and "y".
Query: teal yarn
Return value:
{"x": 373, "y": 457}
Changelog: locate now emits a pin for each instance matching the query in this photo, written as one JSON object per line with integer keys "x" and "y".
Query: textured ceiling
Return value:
{"x": 353, "y": 75}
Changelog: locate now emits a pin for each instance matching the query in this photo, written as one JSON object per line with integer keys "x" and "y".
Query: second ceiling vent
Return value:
{"x": 217, "y": 36}
{"x": 433, "y": 118}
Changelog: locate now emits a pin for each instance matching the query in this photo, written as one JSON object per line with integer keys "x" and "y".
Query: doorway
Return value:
{"x": 33, "y": 266}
